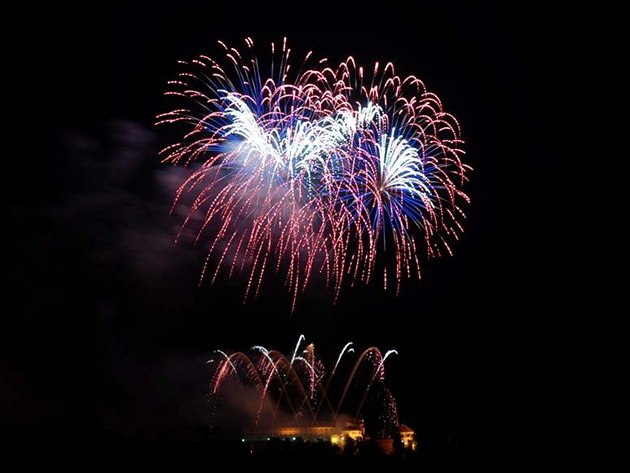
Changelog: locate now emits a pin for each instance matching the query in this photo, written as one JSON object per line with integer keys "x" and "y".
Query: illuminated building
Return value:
{"x": 337, "y": 435}
{"x": 408, "y": 437}
{"x": 333, "y": 433}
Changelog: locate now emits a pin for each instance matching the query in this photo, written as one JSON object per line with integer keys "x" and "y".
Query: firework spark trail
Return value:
{"x": 379, "y": 373}
{"x": 301, "y": 338}
{"x": 223, "y": 371}
{"x": 269, "y": 372}
{"x": 345, "y": 349}
{"x": 328, "y": 170}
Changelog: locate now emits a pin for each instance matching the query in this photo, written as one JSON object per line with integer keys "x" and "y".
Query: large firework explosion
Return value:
{"x": 331, "y": 170}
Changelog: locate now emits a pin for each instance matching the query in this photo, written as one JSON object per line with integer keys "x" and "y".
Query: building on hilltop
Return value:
{"x": 337, "y": 435}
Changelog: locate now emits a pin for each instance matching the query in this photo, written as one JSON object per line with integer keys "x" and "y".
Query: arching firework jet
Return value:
{"x": 274, "y": 389}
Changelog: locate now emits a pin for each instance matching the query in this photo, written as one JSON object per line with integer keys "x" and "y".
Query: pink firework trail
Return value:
{"x": 328, "y": 170}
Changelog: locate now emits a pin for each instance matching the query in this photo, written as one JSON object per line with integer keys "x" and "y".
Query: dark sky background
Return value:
{"x": 107, "y": 330}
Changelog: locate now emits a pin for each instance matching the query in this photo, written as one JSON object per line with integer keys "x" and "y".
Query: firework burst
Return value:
{"x": 327, "y": 170}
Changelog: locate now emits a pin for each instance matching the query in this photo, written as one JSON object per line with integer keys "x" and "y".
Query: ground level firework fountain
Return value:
{"x": 273, "y": 395}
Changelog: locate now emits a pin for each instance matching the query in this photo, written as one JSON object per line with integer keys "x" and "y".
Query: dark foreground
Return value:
{"x": 90, "y": 454}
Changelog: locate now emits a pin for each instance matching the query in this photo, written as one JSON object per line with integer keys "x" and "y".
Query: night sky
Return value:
{"x": 107, "y": 332}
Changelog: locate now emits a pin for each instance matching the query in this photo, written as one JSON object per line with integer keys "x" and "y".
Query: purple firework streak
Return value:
{"x": 330, "y": 170}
